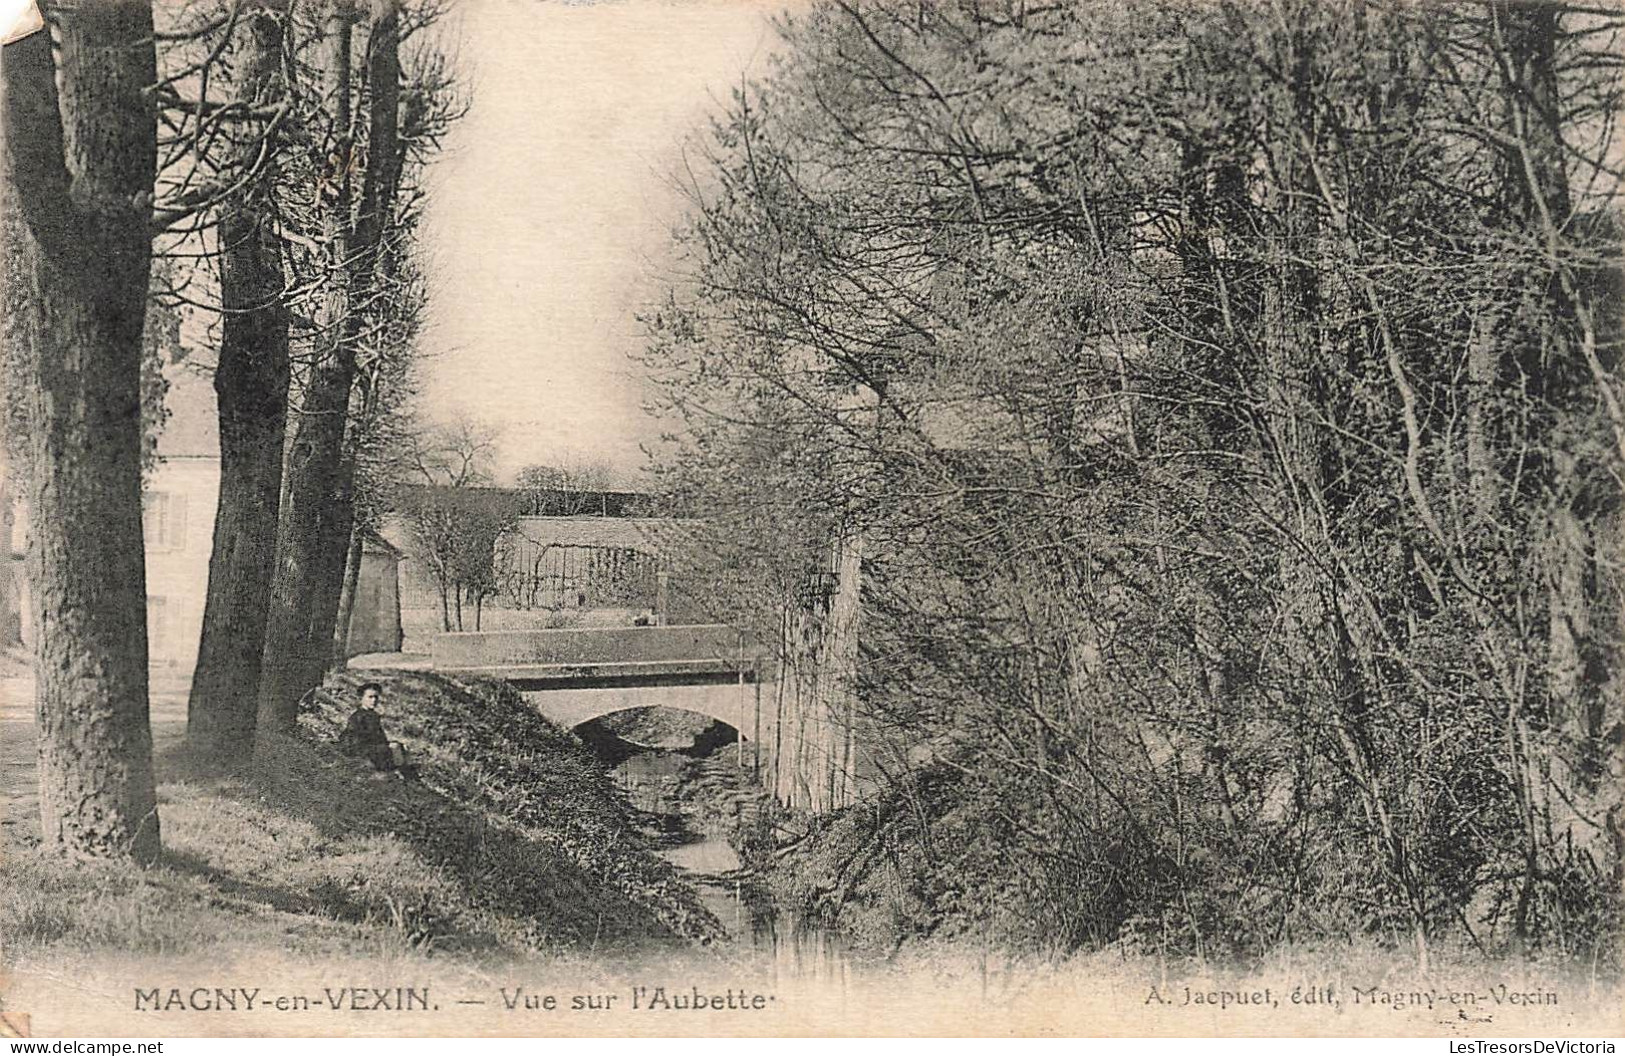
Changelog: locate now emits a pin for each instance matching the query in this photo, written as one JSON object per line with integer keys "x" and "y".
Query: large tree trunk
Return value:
{"x": 1540, "y": 184}
{"x": 372, "y": 225}
{"x": 295, "y": 658}
{"x": 251, "y": 385}
{"x": 317, "y": 514}
{"x": 292, "y": 662}
{"x": 352, "y": 580}
{"x": 336, "y": 533}
{"x": 81, "y": 151}
{"x": 11, "y": 611}
{"x": 1579, "y": 608}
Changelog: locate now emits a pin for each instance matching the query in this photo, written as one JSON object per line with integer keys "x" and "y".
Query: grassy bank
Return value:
{"x": 513, "y": 843}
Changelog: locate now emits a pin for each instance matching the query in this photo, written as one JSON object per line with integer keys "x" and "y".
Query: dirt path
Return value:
{"x": 19, "y": 791}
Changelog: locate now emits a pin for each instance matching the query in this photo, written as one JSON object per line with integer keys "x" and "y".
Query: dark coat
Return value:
{"x": 364, "y": 738}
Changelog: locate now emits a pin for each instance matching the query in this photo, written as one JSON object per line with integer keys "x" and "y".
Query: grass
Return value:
{"x": 517, "y": 851}
{"x": 514, "y": 844}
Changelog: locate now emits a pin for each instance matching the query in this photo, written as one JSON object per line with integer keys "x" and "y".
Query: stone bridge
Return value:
{"x": 809, "y": 756}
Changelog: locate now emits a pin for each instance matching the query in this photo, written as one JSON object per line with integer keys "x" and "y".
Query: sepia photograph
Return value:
{"x": 812, "y": 518}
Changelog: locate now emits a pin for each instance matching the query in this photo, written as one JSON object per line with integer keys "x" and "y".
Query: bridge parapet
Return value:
{"x": 586, "y": 653}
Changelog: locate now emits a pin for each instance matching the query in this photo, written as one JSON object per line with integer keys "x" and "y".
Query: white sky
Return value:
{"x": 551, "y": 209}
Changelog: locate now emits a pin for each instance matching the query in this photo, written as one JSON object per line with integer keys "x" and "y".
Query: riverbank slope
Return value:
{"x": 513, "y": 843}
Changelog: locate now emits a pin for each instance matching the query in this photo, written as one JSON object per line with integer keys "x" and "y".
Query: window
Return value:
{"x": 163, "y": 521}
{"x": 157, "y": 625}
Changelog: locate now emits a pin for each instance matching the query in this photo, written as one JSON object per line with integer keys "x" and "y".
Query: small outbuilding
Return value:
{"x": 375, "y": 621}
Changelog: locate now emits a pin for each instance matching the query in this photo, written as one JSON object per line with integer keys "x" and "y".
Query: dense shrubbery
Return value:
{"x": 1225, "y": 402}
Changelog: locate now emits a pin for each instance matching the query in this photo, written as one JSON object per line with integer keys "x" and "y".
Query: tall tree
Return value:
{"x": 317, "y": 515}
{"x": 251, "y": 387}
{"x": 375, "y": 226}
{"x": 379, "y": 425}
{"x": 80, "y": 160}
{"x": 454, "y": 518}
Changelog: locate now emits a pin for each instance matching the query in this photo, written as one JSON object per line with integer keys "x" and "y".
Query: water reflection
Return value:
{"x": 716, "y": 872}
{"x": 693, "y": 799}
{"x": 800, "y": 951}
{"x": 787, "y": 947}
{"x": 650, "y": 780}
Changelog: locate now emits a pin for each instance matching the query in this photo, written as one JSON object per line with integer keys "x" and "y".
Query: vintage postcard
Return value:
{"x": 812, "y": 517}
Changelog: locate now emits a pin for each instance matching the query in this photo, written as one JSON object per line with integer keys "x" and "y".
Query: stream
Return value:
{"x": 695, "y": 843}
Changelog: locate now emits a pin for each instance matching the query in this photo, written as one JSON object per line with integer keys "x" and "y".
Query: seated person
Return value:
{"x": 364, "y": 737}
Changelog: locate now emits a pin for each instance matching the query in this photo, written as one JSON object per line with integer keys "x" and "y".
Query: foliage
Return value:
{"x": 456, "y": 522}
{"x": 567, "y": 487}
{"x": 1226, "y": 401}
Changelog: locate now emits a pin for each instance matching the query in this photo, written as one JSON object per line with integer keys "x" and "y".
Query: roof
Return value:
{"x": 504, "y": 502}
{"x": 373, "y": 543}
{"x": 649, "y": 534}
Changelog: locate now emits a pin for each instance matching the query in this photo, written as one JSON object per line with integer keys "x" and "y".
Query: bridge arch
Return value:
{"x": 726, "y": 702}
{"x": 620, "y": 735}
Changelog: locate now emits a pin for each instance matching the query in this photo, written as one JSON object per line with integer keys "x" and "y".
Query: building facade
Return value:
{"x": 180, "y": 493}
{"x": 177, "y": 522}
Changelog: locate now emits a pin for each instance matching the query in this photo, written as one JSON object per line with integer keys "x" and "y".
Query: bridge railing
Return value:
{"x": 600, "y": 652}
